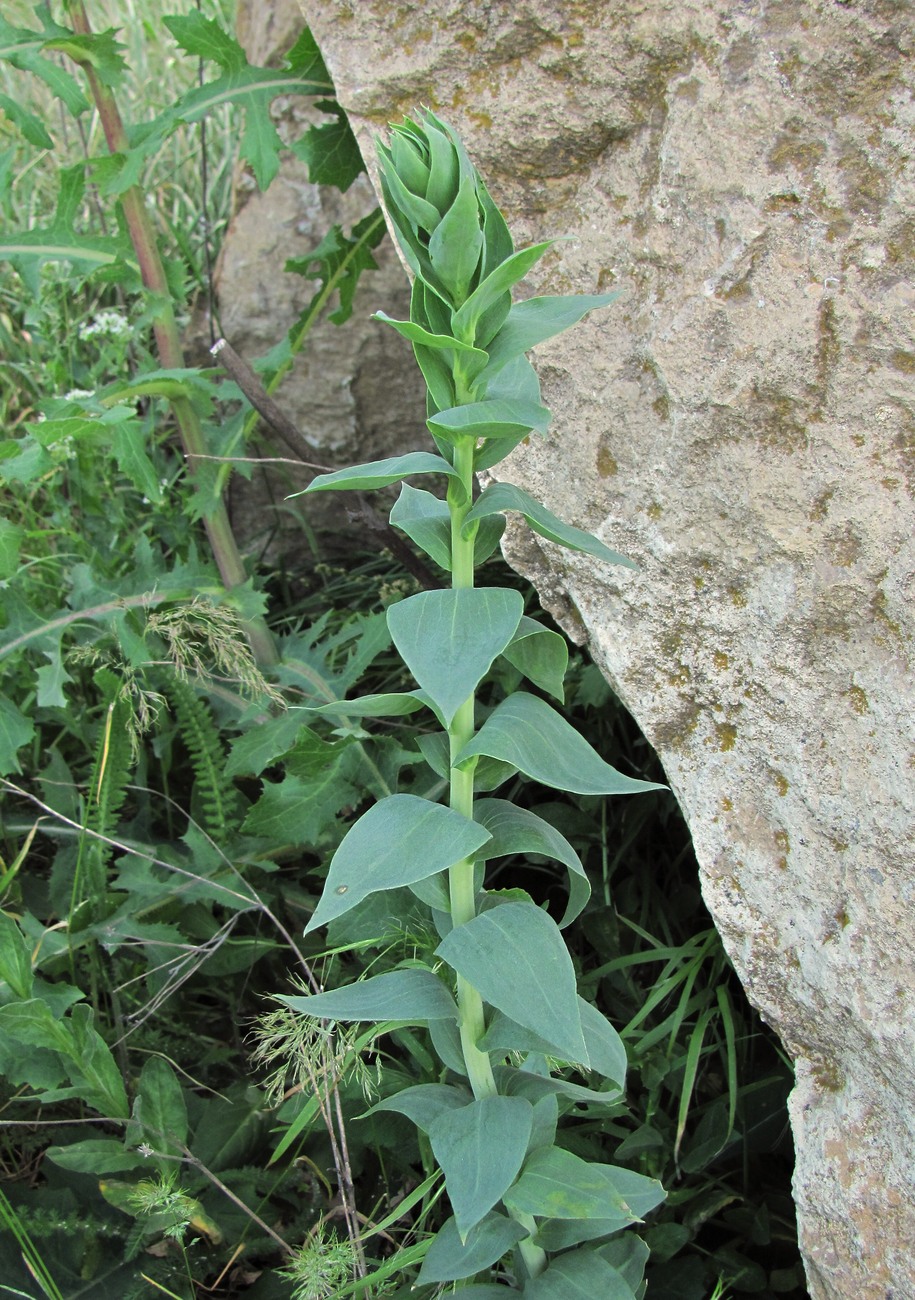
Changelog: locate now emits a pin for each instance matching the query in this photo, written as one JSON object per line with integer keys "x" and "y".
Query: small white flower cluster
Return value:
{"x": 78, "y": 394}
{"x": 105, "y": 324}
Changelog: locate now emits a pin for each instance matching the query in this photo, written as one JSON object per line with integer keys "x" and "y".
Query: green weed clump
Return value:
{"x": 187, "y": 750}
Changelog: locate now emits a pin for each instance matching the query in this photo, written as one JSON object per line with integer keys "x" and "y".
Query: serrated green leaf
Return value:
{"x": 32, "y": 127}
{"x": 11, "y": 536}
{"x": 499, "y": 497}
{"x": 298, "y": 810}
{"x": 541, "y": 655}
{"x": 449, "y": 639}
{"x": 524, "y": 731}
{"x": 515, "y": 956}
{"x": 22, "y": 48}
{"x": 252, "y": 89}
{"x": 490, "y": 419}
{"x": 15, "y": 731}
{"x": 134, "y": 462}
{"x": 480, "y": 1149}
{"x": 52, "y": 678}
{"x": 205, "y": 39}
{"x": 424, "y": 1103}
{"x": 330, "y": 151}
{"x": 264, "y": 743}
{"x": 414, "y": 996}
{"x": 400, "y": 840}
{"x": 449, "y": 1258}
{"x": 378, "y": 473}
{"x": 28, "y": 250}
{"x": 517, "y": 830}
{"x": 100, "y": 51}
{"x": 93, "y": 1070}
{"x": 15, "y": 958}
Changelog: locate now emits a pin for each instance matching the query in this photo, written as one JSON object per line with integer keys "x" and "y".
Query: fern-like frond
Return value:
{"x": 218, "y": 803}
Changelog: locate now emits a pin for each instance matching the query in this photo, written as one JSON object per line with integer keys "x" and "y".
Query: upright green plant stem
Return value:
{"x": 168, "y": 342}
{"x": 461, "y": 875}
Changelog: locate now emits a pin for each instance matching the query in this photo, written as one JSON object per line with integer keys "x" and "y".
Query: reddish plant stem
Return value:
{"x": 168, "y": 343}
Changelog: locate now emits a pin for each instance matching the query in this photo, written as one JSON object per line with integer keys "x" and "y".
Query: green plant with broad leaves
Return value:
{"x": 518, "y": 1046}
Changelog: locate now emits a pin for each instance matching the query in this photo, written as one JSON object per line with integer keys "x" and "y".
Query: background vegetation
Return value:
{"x": 164, "y": 1127}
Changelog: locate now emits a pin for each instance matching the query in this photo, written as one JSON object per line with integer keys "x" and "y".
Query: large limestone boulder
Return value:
{"x": 743, "y": 424}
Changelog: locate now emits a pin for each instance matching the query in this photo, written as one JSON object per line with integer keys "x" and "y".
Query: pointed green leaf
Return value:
{"x": 95, "y": 1156}
{"x": 378, "y": 473}
{"x": 425, "y": 1102}
{"x": 579, "y": 1275}
{"x": 499, "y": 497}
{"x": 414, "y": 996}
{"x": 535, "y": 1086}
{"x": 555, "y": 1184}
{"x": 517, "y": 830}
{"x": 93, "y": 1069}
{"x": 160, "y": 1109}
{"x": 480, "y": 1149}
{"x": 449, "y": 639}
{"x": 605, "y": 1051}
{"x": 457, "y": 241}
{"x": 497, "y": 283}
{"x": 488, "y": 774}
{"x": 399, "y": 840}
{"x": 450, "y": 1258}
{"x": 396, "y": 704}
{"x": 524, "y": 731}
{"x": 516, "y": 957}
{"x": 538, "y": 319}
{"x": 416, "y": 334}
{"x": 490, "y": 419}
{"x": 426, "y": 520}
{"x": 541, "y": 655}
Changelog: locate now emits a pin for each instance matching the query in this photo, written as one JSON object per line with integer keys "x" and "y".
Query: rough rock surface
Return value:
{"x": 742, "y": 423}
{"x": 340, "y": 392}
